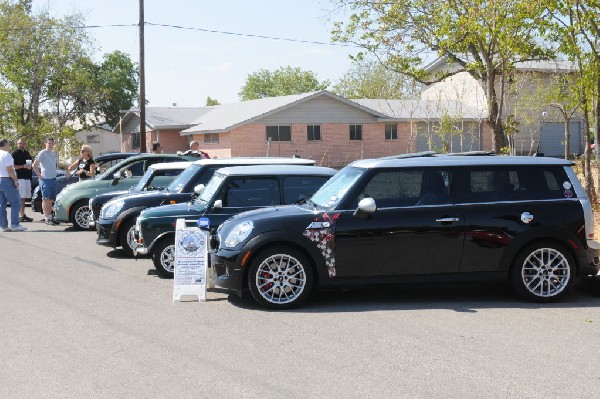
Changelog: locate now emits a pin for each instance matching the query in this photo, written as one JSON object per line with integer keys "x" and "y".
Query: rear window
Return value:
{"x": 523, "y": 183}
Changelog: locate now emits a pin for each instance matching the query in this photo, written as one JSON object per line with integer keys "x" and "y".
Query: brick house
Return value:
{"x": 328, "y": 128}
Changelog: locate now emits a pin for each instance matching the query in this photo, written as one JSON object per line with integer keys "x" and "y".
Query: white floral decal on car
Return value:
{"x": 322, "y": 232}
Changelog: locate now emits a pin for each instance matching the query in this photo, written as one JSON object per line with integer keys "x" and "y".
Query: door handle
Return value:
{"x": 446, "y": 220}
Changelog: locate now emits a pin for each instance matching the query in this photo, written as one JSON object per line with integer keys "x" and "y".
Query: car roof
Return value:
{"x": 443, "y": 160}
{"x": 255, "y": 161}
{"x": 277, "y": 170}
{"x": 116, "y": 155}
{"x": 171, "y": 165}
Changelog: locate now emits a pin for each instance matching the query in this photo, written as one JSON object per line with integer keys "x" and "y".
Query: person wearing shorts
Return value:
{"x": 23, "y": 163}
{"x": 45, "y": 166}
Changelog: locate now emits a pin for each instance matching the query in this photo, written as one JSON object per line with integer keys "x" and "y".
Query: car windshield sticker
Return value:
{"x": 322, "y": 232}
{"x": 331, "y": 201}
{"x": 568, "y": 192}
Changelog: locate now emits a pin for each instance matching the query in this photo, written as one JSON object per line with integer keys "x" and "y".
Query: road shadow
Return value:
{"x": 119, "y": 253}
{"x": 463, "y": 298}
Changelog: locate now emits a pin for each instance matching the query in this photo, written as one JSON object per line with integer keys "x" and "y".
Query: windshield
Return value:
{"x": 334, "y": 190}
{"x": 183, "y": 178}
{"x": 209, "y": 191}
{"x": 146, "y": 179}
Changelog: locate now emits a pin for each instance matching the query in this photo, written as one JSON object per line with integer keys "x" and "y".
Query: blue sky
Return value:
{"x": 186, "y": 66}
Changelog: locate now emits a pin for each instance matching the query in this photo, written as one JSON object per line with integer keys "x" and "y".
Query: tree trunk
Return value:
{"x": 494, "y": 117}
{"x": 596, "y": 130}
{"x": 567, "y": 138}
{"x": 587, "y": 155}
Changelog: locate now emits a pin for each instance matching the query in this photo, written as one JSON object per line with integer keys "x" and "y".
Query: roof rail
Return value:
{"x": 411, "y": 155}
{"x": 470, "y": 153}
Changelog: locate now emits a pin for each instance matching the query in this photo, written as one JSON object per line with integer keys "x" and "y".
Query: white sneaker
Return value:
{"x": 18, "y": 228}
{"x": 5, "y": 229}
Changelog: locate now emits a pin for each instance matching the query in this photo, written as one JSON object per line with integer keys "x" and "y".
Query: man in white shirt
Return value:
{"x": 9, "y": 192}
{"x": 45, "y": 166}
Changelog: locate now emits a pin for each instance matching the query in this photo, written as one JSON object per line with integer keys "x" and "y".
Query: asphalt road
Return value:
{"x": 79, "y": 320}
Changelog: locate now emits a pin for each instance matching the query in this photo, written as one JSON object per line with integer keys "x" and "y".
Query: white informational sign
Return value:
{"x": 191, "y": 261}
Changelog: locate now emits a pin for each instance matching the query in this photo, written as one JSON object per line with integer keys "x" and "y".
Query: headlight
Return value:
{"x": 238, "y": 234}
{"x": 112, "y": 208}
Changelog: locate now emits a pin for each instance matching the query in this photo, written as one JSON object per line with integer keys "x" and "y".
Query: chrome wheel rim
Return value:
{"x": 82, "y": 215}
{"x": 280, "y": 279}
{"x": 131, "y": 241}
{"x": 167, "y": 258}
{"x": 546, "y": 272}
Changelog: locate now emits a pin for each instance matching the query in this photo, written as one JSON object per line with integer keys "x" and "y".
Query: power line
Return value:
{"x": 252, "y": 35}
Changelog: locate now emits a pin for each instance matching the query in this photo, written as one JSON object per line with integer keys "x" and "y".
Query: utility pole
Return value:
{"x": 142, "y": 83}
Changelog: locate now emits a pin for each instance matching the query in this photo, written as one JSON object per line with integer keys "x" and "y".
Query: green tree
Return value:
{"x": 211, "y": 101}
{"x": 574, "y": 25}
{"x": 281, "y": 82}
{"x": 118, "y": 82}
{"x": 372, "y": 79}
{"x": 483, "y": 38}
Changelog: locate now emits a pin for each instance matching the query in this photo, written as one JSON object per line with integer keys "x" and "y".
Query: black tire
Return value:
{"x": 163, "y": 257}
{"x": 126, "y": 237}
{"x": 80, "y": 214}
{"x": 280, "y": 278}
{"x": 543, "y": 271}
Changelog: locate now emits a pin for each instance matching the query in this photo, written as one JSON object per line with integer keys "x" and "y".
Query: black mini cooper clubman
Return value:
{"x": 427, "y": 218}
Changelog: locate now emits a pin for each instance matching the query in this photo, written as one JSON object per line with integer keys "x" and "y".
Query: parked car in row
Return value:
{"x": 526, "y": 220}
{"x": 118, "y": 219}
{"x": 103, "y": 162}
{"x": 72, "y": 203}
{"x": 230, "y": 191}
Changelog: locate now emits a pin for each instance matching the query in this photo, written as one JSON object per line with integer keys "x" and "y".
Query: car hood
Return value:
{"x": 185, "y": 210}
{"x": 278, "y": 212}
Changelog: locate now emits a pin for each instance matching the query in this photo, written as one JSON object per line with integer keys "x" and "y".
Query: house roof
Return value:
{"x": 167, "y": 117}
{"x": 542, "y": 66}
{"x": 422, "y": 109}
{"x": 229, "y": 116}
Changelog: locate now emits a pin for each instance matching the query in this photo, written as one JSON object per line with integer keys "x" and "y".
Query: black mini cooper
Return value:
{"x": 432, "y": 218}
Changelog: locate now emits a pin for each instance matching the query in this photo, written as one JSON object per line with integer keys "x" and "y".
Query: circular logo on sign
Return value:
{"x": 190, "y": 243}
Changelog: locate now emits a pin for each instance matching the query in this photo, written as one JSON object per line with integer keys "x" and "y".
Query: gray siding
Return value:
{"x": 553, "y": 139}
{"x": 318, "y": 111}
{"x": 132, "y": 125}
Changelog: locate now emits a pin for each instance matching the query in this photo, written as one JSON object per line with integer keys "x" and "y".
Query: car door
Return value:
{"x": 416, "y": 229}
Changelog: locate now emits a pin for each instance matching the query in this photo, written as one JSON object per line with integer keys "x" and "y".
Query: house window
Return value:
{"x": 135, "y": 140}
{"x": 355, "y": 132}
{"x": 313, "y": 132}
{"x": 211, "y": 138}
{"x": 391, "y": 131}
{"x": 279, "y": 133}
{"x": 92, "y": 138}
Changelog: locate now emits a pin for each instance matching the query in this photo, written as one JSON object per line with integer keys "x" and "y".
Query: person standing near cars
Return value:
{"x": 45, "y": 166}
{"x": 23, "y": 163}
{"x": 9, "y": 193}
{"x": 85, "y": 166}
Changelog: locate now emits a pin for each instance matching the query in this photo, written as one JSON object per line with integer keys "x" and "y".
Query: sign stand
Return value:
{"x": 191, "y": 261}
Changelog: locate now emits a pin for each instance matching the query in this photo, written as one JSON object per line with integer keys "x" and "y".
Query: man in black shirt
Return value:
{"x": 23, "y": 162}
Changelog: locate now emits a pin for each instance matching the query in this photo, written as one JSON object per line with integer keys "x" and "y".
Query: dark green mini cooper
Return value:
{"x": 230, "y": 191}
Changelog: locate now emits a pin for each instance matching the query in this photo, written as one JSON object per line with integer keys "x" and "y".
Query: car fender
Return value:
{"x": 126, "y": 214}
{"x": 293, "y": 239}
{"x": 552, "y": 233}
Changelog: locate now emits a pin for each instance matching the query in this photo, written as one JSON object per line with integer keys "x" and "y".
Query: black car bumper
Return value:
{"x": 226, "y": 271}
{"x": 106, "y": 235}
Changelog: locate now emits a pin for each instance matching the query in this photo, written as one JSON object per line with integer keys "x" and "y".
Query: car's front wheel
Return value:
{"x": 127, "y": 236}
{"x": 543, "y": 272}
{"x": 280, "y": 278}
{"x": 80, "y": 215}
{"x": 163, "y": 257}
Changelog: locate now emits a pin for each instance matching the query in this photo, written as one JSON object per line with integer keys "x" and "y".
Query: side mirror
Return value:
{"x": 366, "y": 207}
{"x": 199, "y": 188}
{"x": 218, "y": 204}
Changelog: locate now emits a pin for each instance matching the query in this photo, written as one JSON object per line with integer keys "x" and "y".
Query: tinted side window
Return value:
{"x": 134, "y": 169}
{"x": 519, "y": 183}
{"x": 407, "y": 188}
{"x": 251, "y": 192}
{"x": 296, "y": 188}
